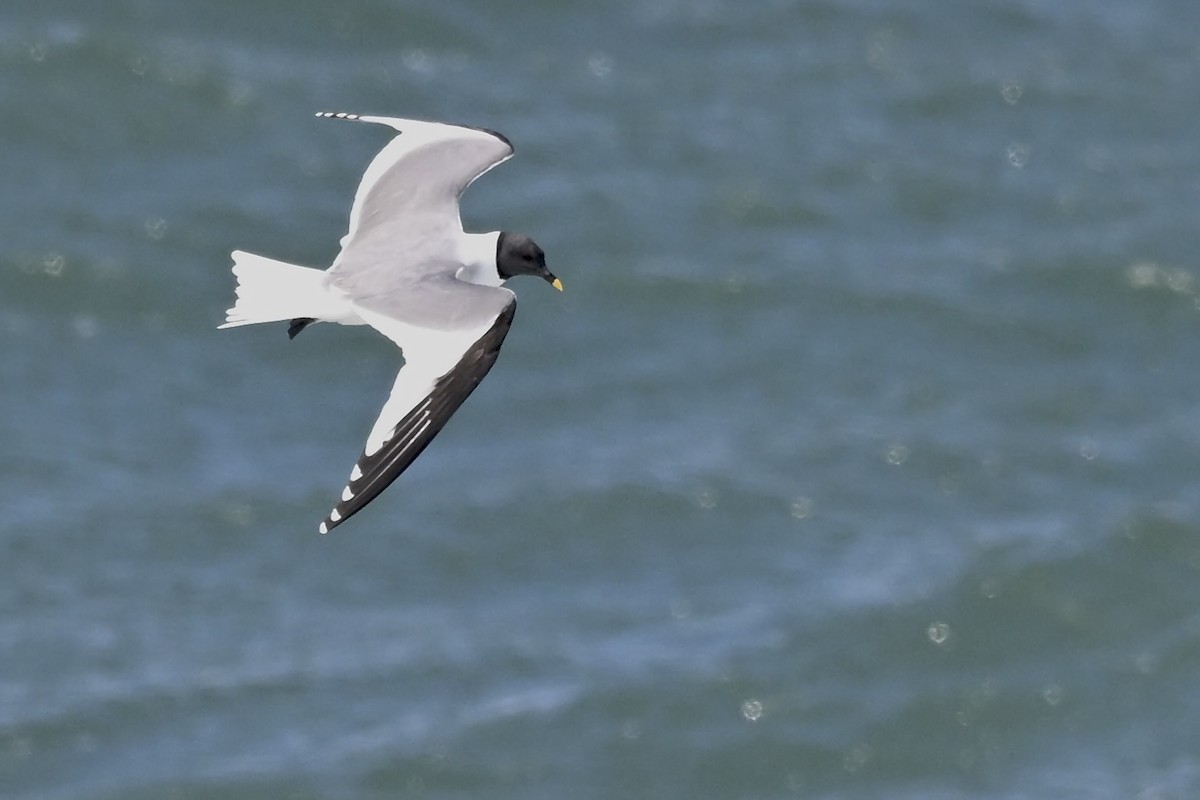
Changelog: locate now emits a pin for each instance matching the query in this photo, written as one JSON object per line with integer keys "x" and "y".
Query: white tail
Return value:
{"x": 270, "y": 290}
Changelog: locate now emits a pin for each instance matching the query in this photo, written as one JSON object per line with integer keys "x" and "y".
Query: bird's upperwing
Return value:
{"x": 410, "y": 191}
{"x": 441, "y": 368}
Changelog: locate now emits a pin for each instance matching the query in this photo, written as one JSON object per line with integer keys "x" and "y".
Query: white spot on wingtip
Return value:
{"x": 347, "y": 494}
{"x": 355, "y": 474}
{"x": 322, "y": 529}
{"x": 334, "y": 516}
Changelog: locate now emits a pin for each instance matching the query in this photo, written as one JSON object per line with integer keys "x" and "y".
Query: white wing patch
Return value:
{"x": 428, "y": 355}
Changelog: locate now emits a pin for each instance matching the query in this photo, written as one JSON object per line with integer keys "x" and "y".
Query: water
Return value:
{"x": 858, "y": 460}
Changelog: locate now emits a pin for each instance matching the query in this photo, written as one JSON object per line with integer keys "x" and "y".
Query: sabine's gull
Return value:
{"x": 407, "y": 269}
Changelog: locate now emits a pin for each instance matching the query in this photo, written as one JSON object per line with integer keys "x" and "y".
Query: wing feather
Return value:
{"x": 405, "y": 428}
{"x": 409, "y": 195}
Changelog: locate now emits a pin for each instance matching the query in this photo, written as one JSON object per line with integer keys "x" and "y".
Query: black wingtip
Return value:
{"x": 299, "y": 324}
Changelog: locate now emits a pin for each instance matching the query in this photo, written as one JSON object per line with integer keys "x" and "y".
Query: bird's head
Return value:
{"x": 517, "y": 254}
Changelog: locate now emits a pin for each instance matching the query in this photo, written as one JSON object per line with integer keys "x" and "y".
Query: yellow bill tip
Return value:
{"x": 557, "y": 284}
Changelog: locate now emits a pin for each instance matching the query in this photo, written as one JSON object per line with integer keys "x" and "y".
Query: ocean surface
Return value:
{"x": 860, "y": 458}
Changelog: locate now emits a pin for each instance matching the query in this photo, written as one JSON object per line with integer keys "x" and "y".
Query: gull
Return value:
{"x": 407, "y": 269}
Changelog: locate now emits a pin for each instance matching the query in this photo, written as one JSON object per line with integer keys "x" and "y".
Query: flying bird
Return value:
{"x": 407, "y": 269}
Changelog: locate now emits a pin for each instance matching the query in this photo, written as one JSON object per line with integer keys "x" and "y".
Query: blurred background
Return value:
{"x": 858, "y": 460}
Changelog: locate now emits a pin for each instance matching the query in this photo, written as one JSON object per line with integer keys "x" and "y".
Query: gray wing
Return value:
{"x": 432, "y": 300}
{"x": 405, "y": 211}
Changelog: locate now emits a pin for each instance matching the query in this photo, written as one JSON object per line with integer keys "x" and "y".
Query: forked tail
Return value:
{"x": 270, "y": 291}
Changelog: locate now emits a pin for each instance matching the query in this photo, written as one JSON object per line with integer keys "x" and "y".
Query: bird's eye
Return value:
{"x": 527, "y": 257}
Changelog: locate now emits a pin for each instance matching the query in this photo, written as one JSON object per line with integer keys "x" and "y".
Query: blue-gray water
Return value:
{"x": 858, "y": 460}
